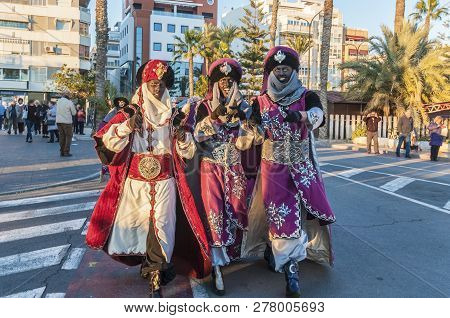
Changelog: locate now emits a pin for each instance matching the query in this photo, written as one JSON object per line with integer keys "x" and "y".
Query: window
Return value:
{"x": 84, "y": 29}
{"x": 208, "y": 15}
{"x": 11, "y": 74}
{"x": 13, "y": 24}
{"x": 184, "y": 28}
{"x": 38, "y": 74}
{"x": 138, "y": 47}
{"x": 84, "y": 52}
{"x": 158, "y": 9}
{"x": 198, "y": 28}
{"x": 171, "y": 28}
{"x": 62, "y": 25}
{"x": 156, "y": 46}
{"x": 157, "y": 27}
{"x": 113, "y": 47}
{"x": 137, "y": 6}
{"x": 170, "y": 47}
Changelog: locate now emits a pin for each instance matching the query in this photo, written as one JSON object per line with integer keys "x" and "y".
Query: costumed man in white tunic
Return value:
{"x": 134, "y": 220}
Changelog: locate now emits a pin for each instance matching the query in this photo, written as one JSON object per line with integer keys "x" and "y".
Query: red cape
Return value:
{"x": 191, "y": 246}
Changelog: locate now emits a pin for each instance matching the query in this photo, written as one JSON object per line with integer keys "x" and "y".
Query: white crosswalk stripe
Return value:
{"x": 447, "y": 205}
{"x": 351, "y": 172}
{"x": 66, "y": 256}
{"x": 397, "y": 184}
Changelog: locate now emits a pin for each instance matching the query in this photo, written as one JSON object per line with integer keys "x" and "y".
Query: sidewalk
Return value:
{"x": 25, "y": 166}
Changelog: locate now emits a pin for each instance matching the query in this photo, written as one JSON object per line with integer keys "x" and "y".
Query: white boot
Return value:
{"x": 217, "y": 281}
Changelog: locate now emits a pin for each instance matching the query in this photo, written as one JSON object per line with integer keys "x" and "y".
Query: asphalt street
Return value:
{"x": 391, "y": 239}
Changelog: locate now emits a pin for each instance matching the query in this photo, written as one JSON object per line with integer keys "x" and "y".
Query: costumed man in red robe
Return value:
{"x": 222, "y": 131}
{"x": 290, "y": 188}
{"x": 135, "y": 218}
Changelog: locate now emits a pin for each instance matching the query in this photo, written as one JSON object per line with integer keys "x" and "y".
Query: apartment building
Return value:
{"x": 355, "y": 46}
{"x": 113, "y": 57}
{"x": 306, "y": 17}
{"x": 148, "y": 29}
{"x": 36, "y": 38}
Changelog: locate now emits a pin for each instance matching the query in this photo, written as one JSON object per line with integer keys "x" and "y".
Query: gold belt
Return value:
{"x": 286, "y": 151}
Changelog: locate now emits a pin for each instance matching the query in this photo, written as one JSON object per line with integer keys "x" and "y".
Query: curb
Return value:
{"x": 57, "y": 184}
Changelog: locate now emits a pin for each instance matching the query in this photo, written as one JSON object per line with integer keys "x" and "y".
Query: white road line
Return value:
{"x": 50, "y": 198}
{"x": 391, "y": 193}
{"x": 397, "y": 184}
{"x": 321, "y": 164}
{"x": 24, "y": 262}
{"x": 74, "y": 258}
{"x": 55, "y": 295}
{"x": 40, "y": 230}
{"x": 85, "y": 228}
{"x": 198, "y": 290}
{"x": 411, "y": 168}
{"x": 447, "y": 205}
{"x": 372, "y": 170}
{"x": 351, "y": 172}
{"x": 30, "y": 214}
{"x": 32, "y": 293}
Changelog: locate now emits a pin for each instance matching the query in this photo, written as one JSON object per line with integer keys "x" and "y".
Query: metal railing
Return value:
{"x": 178, "y": 15}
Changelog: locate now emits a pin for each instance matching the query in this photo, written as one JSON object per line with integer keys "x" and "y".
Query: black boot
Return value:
{"x": 217, "y": 283}
{"x": 292, "y": 279}
{"x": 154, "y": 280}
{"x": 268, "y": 256}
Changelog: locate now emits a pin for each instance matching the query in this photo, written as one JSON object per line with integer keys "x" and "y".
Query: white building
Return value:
{"x": 36, "y": 38}
{"x": 113, "y": 57}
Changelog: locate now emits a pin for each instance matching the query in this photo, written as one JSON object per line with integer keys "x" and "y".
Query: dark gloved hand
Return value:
{"x": 293, "y": 116}
{"x": 241, "y": 115}
{"x": 180, "y": 134}
{"x": 219, "y": 111}
{"x": 136, "y": 121}
{"x": 178, "y": 118}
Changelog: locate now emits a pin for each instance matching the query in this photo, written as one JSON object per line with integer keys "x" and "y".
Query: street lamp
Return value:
{"x": 357, "y": 47}
{"x": 309, "y": 23}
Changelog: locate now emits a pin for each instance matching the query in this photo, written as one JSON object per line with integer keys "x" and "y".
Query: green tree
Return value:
{"x": 76, "y": 84}
{"x": 300, "y": 43}
{"x": 325, "y": 58}
{"x": 188, "y": 47}
{"x": 429, "y": 10}
{"x": 209, "y": 43}
{"x": 407, "y": 71}
{"x": 201, "y": 86}
{"x": 225, "y": 36}
{"x": 255, "y": 42}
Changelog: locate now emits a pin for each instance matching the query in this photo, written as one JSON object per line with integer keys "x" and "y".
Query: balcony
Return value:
{"x": 178, "y": 15}
{"x": 85, "y": 15}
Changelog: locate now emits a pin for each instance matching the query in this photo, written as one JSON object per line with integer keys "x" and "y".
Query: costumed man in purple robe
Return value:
{"x": 223, "y": 130}
{"x": 135, "y": 218}
{"x": 289, "y": 188}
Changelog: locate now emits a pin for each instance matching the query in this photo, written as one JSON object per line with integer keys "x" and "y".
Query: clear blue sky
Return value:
{"x": 365, "y": 14}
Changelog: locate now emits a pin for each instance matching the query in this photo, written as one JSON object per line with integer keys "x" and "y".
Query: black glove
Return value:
{"x": 136, "y": 121}
{"x": 219, "y": 111}
{"x": 178, "y": 118}
{"x": 293, "y": 116}
{"x": 241, "y": 115}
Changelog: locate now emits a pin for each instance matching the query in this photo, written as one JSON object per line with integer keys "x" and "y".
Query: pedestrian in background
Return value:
{"x": 65, "y": 111}
{"x": 75, "y": 120}
{"x": 11, "y": 114}
{"x": 436, "y": 129}
{"x": 372, "y": 121}
{"x": 405, "y": 129}
{"x": 43, "y": 116}
{"x": 2, "y": 114}
{"x": 81, "y": 119}
{"x": 20, "y": 120}
{"x": 30, "y": 114}
{"x": 38, "y": 120}
{"x": 51, "y": 122}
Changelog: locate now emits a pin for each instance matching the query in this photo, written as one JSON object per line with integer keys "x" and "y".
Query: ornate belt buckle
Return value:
{"x": 149, "y": 167}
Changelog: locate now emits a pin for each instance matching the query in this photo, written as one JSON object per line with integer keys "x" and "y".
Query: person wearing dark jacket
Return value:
{"x": 372, "y": 121}
{"x": 31, "y": 119}
{"x": 436, "y": 137}
{"x": 405, "y": 129}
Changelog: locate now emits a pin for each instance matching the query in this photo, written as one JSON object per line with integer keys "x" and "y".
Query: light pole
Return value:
{"x": 357, "y": 47}
{"x": 309, "y": 23}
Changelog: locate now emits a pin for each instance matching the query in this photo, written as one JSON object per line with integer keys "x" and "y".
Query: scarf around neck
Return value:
{"x": 157, "y": 112}
{"x": 285, "y": 94}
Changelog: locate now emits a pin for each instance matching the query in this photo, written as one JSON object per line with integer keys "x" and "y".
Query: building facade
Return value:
{"x": 113, "y": 57}
{"x": 148, "y": 31}
{"x": 37, "y": 37}
{"x": 305, "y": 17}
{"x": 355, "y": 47}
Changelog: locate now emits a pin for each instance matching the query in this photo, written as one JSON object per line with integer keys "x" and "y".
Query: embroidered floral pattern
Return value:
{"x": 306, "y": 171}
{"x": 277, "y": 215}
{"x": 216, "y": 222}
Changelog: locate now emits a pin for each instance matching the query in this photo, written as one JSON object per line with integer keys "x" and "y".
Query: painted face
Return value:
{"x": 121, "y": 104}
{"x": 225, "y": 84}
{"x": 283, "y": 73}
{"x": 157, "y": 88}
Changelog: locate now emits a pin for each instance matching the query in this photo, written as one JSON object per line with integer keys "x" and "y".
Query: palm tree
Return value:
{"x": 101, "y": 29}
{"x": 299, "y": 42}
{"x": 187, "y": 47}
{"x": 274, "y": 22}
{"x": 325, "y": 57}
{"x": 430, "y": 10}
{"x": 226, "y": 35}
{"x": 399, "y": 15}
{"x": 408, "y": 70}
{"x": 208, "y": 43}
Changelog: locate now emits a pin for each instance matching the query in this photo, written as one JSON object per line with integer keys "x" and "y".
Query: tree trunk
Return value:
{"x": 101, "y": 28}
{"x": 427, "y": 24}
{"x": 324, "y": 59}
{"x": 191, "y": 76}
{"x": 274, "y": 24}
{"x": 399, "y": 15}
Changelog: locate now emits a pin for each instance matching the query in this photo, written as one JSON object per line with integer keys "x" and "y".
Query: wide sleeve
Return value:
{"x": 314, "y": 111}
{"x": 250, "y": 135}
{"x": 186, "y": 148}
{"x": 117, "y": 137}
